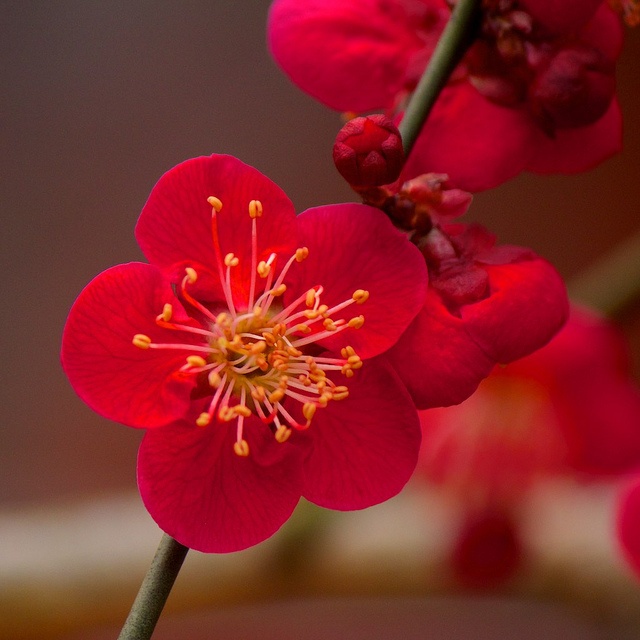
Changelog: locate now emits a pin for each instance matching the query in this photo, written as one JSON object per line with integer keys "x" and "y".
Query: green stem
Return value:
{"x": 613, "y": 282}
{"x": 154, "y": 590}
{"x": 453, "y": 44}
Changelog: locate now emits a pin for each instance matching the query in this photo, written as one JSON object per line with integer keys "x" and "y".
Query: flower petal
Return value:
{"x": 439, "y": 363}
{"x": 208, "y": 498}
{"x": 477, "y": 143}
{"x": 353, "y": 56}
{"x": 116, "y": 379}
{"x": 176, "y": 222}
{"x": 581, "y": 149}
{"x": 526, "y": 308}
{"x": 561, "y": 17}
{"x": 353, "y": 247}
{"x": 365, "y": 447}
{"x": 628, "y": 523}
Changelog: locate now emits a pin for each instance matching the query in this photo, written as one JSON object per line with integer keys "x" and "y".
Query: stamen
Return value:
{"x": 215, "y": 203}
{"x": 230, "y": 260}
{"x": 255, "y": 208}
{"x": 241, "y": 448}
{"x": 141, "y": 341}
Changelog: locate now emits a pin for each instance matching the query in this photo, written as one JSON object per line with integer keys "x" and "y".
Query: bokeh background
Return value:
{"x": 97, "y": 101}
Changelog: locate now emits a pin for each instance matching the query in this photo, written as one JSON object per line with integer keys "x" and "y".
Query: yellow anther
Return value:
{"x": 353, "y": 359}
{"x": 263, "y": 269}
{"x": 214, "y": 379}
{"x": 305, "y": 380}
{"x": 223, "y": 319}
{"x": 241, "y": 448}
{"x": 310, "y": 300}
{"x": 310, "y": 314}
{"x": 276, "y": 396}
{"x": 293, "y": 352}
{"x": 356, "y": 322}
{"x": 216, "y": 203}
{"x": 269, "y": 338}
{"x": 167, "y": 312}
{"x": 196, "y": 361}
{"x": 301, "y": 254}
{"x": 226, "y": 413}
{"x": 324, "y": 399}
{"x": 303, "y": 328}
{"x": 230, "y": 260}
{"x": 258, "y": 347}
{"x": 308, "y": 410}
{"x": 258, "y": 394}
{"x": 192, "y": 275}
{"x": 141, "y": 341}
{"x": 279, "y": 290}
{"x": 340, "y": 392}
{"x": 360, "y": 296}
{"x": 203, "y": 420}
{"x": 347, "y": 351}
{"x": 329, "y": 324}
{"x": 322, "y": 309}
{"x": 282, "y": 434}
{"x": 242, "y": 410}
{"x": 255, "y": 208}
{"x": 348, "y": 373}
{"x": 257, "y": 312}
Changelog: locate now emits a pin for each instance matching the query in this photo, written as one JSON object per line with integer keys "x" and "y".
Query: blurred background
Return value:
{"x": 97, "y": 101}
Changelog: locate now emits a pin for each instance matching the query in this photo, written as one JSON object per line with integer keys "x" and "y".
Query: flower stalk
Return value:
{"x": 456, "y": 38}
{"x": 154, "y": 590}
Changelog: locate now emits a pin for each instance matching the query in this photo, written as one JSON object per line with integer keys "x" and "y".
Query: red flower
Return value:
{"x": 569, "y": 409}
{"x": 485, "y": 305}
{"x": 535, "y": 92}
{"x": 240, "y": 349}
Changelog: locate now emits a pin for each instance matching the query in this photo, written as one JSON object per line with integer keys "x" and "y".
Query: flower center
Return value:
{"x": 256, "y": 360}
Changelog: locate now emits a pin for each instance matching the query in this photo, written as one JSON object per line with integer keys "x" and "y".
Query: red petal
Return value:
{"x": 605, "y": 32}
{"x": 352, "y": 247}
{"x": 629, "y": 524}
{"x": 354, "y": 55}
{"x": 365, "y": 447}
{"x": 477, "y": 143}
{"x": 564, "y": 17}
{"x": 208, "y": 498}
{"x": 526, "y": 308}
{"x": 576, "y": 150}
{"x": 116, "y": 379}
{"x": 436, "y": 359}
{"x": 175, "y": 223}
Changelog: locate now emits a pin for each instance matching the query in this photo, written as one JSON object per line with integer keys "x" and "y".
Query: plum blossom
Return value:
{"x": 251, "y": 349}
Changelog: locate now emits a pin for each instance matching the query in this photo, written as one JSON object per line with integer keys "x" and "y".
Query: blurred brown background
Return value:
{"x": 98, "y": 100}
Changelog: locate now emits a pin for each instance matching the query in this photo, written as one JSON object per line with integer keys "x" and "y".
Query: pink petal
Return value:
{"x": 175, "y": 224}
{"x": 577, "y": 150}
{"x": 208, "y": 498}
{"x": 439, "y": 363}
{"x": 526, "y": 308}
{"x": 353, "y": 55}
{"x": 564, "y": 17}
{"x": 476, "y": 142}
{"x": 353, "y": 247}
{"x": 604, "y": 32}
{"x": 365, "y": 447}
{"x": 629, "y": 524}
{"x": 116, "y": 379}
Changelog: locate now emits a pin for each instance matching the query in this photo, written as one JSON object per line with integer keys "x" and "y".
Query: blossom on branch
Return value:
{"x": 251, "y": 349}
{"x": 535, "y": 91}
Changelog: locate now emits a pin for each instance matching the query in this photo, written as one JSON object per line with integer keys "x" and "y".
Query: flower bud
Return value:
{"x": 368, "y": 151}
{"x": 574, "y": 90}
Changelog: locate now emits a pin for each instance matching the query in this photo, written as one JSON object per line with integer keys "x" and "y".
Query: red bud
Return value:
{"x": 368, "y": 151}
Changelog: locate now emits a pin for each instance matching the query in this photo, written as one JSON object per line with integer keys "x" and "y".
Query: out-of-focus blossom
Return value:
{"x": 570, "y": 409}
